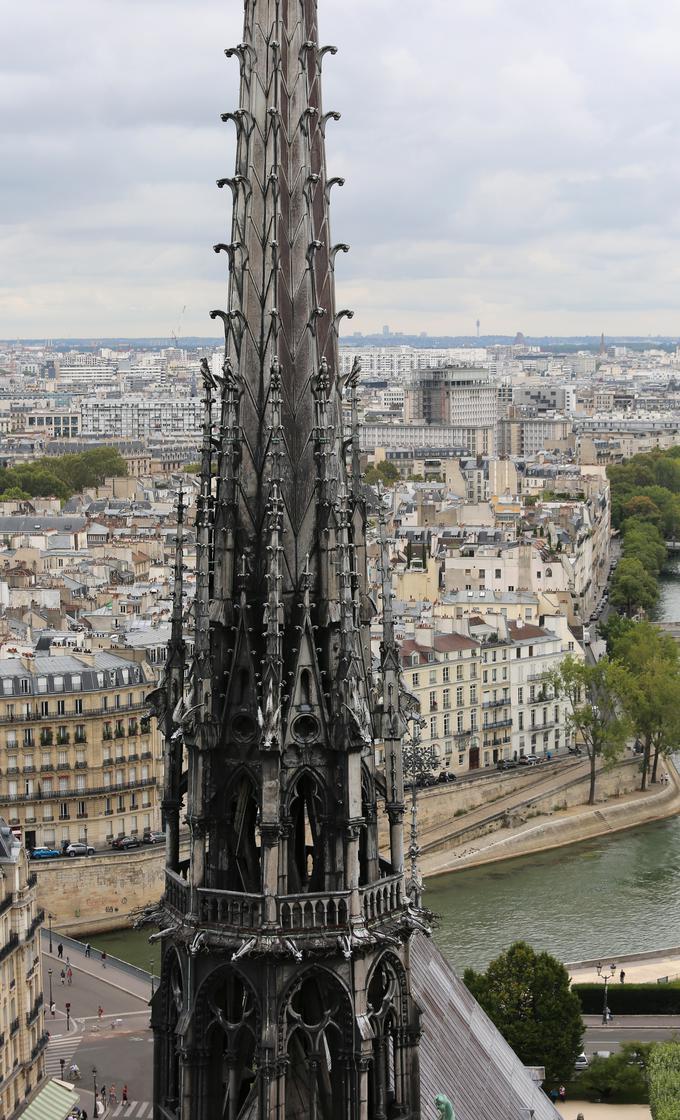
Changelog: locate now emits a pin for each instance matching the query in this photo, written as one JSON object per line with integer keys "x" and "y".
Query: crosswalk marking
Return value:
{"x": 130, "y": 1109}
{"x": 61, "y": 1046}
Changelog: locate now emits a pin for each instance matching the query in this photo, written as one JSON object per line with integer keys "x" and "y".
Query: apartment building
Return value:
{"x": 80, "y": 756}
{"x": 22, "y": 1027}
{"x": 137, "y": 417}
{"x": 443, "y": 672}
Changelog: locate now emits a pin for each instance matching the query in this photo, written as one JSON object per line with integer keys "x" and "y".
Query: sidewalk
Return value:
{"x": 111, "y": 973}
{"x": 571, "y": 1110}
{"x": 638, "y": 969}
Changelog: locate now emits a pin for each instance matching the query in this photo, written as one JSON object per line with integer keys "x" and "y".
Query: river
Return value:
{"x": 615, "y": 895}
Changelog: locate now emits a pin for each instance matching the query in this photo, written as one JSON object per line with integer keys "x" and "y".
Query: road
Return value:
{"x": 629, "y": 1028}
{"x": 118, "y": 1045}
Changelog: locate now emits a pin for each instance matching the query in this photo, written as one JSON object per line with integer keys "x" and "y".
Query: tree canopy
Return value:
{"x": 384, "y": 472}
{"x": 632, "y": 587}
{"x": 594, "y": 695}
{"x": 664, "y": 1081}
{"x": 61, "y": 476}
{"x": 621, "y": 1076}
{"x": 527, "y": 995}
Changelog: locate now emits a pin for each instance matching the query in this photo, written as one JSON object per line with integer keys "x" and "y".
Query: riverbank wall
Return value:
{"x": 560, "y": 828}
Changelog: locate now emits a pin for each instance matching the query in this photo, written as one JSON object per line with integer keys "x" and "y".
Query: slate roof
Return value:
{"x": 462, "y": 1054}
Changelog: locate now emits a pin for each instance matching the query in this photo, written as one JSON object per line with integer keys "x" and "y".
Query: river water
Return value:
{"x": 614, "y": 895}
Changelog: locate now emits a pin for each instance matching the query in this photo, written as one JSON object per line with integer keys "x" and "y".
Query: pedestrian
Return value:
{"x": 103, "y": 958}
{"x": 68, "y": 961}
{"x": 113, "y": 1099}
{"x": 60, "y": 951}
{"x": 53, "y": 1009}
{"x": 622, "y": 976}
{"x": 69, "y": 975}
{"x": 103, "y": 1095}
{"x": 554, "y": 1095}
{"x": 100, "y": 1011}
{"x": 124, "y": 1097}
{"x": 562, "y": 1094}
{"x": 88, "y": 949}
{"x": 62, "y": 976}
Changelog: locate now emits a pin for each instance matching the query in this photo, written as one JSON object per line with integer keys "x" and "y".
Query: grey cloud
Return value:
{"x": 508, "y": 158}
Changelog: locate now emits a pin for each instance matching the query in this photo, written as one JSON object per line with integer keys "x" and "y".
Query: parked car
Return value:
{"x": 123, "y": 842}
{"x": 582, "y": 1061}
{"x": 153, "y": 838}
{"x": 78, "y": 849}
{"x": 44, "y": 853}
{"x": 506, "y": 764}
{"x": 446, "y": 776}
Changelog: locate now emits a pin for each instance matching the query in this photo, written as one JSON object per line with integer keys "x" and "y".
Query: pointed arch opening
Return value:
{"x": 320, "y": 1081}
{"x": 306, "y": 847}
{"x": 388, "y": 1013}
{"x": 230, "y": 1016}
{"x": 234, "y": 847}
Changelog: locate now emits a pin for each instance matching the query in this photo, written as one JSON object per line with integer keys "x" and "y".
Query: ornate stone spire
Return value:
{"x": 285, "y": 985}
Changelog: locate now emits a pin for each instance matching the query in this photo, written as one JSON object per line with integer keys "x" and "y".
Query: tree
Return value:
{"x": 632, "y": 587}
{"x": 528, "y": 997}
{"x": 622, "y": 1075}
{"x": 643, "y": 509}
{"x": 384, "y": 472}
{"x": 652, "y": 699}
{"x": 594, "y": 694}
{"x": 664, "y": 1081}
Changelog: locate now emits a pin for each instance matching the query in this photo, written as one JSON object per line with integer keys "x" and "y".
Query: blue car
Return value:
{"x": 45, "y": 853}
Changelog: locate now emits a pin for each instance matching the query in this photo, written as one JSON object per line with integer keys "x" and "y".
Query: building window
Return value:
{"x": 61, "y": 707}
{"x": 78, "y": 706}
{"x": 24, "y": 685}
{"x": 433, "y": 701}
{"x": 58, "y": 684}
{"x": 520, "y": 695}
{"x": 42, "y": 684}
{"x": 76, "y": 683}
{"x": 63, "y": 811}
{"x": 445, "y": 674}
{"x": 460, "y": 669}
{"x": 473, "y": 693}
{"x": 415, "y": 680}
{"x": 446, "y": 698}
{"x": 447, "y": 725}
{"x": 433, "y": 727}
{"x": 121, "y": 804}
{"x": 520, "y": 721}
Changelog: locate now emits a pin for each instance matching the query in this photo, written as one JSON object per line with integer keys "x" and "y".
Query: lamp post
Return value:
{"x": 606, "y": 976}
{"x": 151, "y": 971}
{"x": 49, "y": 919}
{"x": 417, "y": 762}
{"x": 49, "y": 976}
{"x": 68, "y": 1016}
{"x": 62, "y": 1063}
{"x": 85, "y": 835}
{"x": 94, "y": 1083}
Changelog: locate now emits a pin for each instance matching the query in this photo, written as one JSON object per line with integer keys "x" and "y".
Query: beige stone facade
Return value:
{"x": 79, "y": 755}
{"x": 22, "y": 1025}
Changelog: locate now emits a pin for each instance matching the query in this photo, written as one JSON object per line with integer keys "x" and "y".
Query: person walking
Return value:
{"x": 103, "y": 958}
{"x": 622, "y": 976}
{"x": 60, "y": 951}
{"x": 100, "y": 1011}
{"x": 113, "y": 1099}
{"x": 102, "y": 1094}
{"x": 88, "y": 950}
{"x": 53, "y": 1009}
{"x": 124, "y": 1097}
{"x": 69, "y": 974}
{"x": 562, "y": 1094}
{"x": 62, "y": 976}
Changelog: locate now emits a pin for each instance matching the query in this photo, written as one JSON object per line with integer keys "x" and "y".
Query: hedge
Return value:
{"x": 630, "y": 999}
{"x": 664, "y": 1081}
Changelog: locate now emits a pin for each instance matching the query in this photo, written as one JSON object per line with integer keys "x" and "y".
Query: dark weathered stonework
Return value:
{"x": 285, "y": 986}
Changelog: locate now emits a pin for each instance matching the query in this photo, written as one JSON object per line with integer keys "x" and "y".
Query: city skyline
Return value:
{"x": 527, "y": 157}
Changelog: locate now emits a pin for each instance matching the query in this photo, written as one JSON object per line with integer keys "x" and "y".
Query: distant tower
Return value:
{"x": 478, "y": 326}
{"x": 603, "y": 347}
{"x": 285, "y": 987}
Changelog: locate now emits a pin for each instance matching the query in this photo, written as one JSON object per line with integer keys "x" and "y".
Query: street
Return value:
{"x": 628, "y": 1028}
{"x": 118, "y": 1046}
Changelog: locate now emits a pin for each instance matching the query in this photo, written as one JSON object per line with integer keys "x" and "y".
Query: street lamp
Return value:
{"x": 418, "y": 762}
{"x": 49, "y": 974}
{"x": 85, "y": 834}
{"x": 151, "y": 963}
{"x": 94, "y": 1082}
{"x": 49, "y": 919}
{"x": 606, "y": 976}
{"x": 68, "y": 1016}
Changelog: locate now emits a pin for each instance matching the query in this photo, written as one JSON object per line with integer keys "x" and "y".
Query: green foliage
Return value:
{"x": 621, "y": 1077}
{"x": 61, "y": 476}
{"x": 383, "y": 472}
{"x": 644, "y": 542}
{"x": 15, "y": 494}
{"x": 630, "y": 999}
{"x": 664, "y": 1081}
{"x": 192, "y": 468}
{"x": 528, "y": 997}
{"x": 633, "y": 588}
{"x": 594, "y": 695}
{"x": 654, "y": 476}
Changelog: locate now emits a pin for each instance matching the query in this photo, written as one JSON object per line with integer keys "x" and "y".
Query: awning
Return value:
{"x": 53, "y": 1102}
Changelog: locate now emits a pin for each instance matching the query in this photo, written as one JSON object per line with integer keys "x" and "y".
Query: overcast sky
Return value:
{"x": 516, "y": 161}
